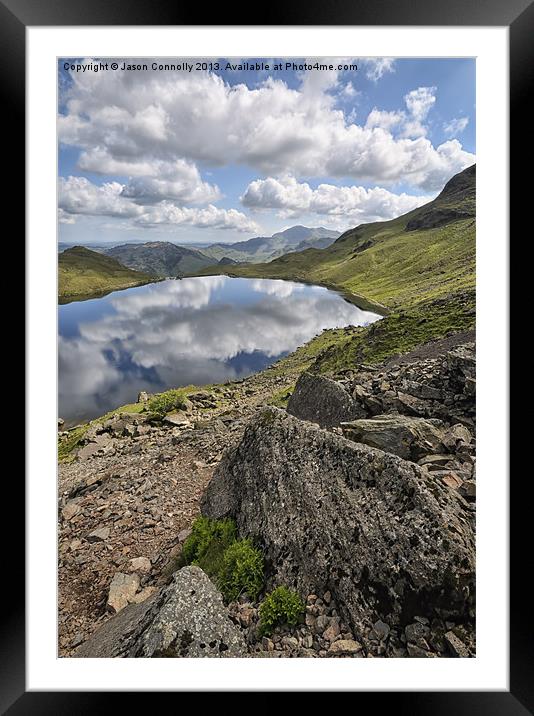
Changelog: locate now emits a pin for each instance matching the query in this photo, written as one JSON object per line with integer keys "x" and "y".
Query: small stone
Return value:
{"x": 122, "y": 590}
{"x": 416, "y": 634}
{"x": 468, "y": 489}
{"x": 184, "y": 534}
{"x": 77, "y": 639}
{"x": 322, "y": 622}
{"x": 345, "y": 646}
{"x": 143, "y": 594}
{"x": 332, "y": 631}
{"x": 327, "y": 597}
{"x": 140, "y": 564}
{"x": 246, "y": 616}
{"x": 417, "y": 652}
{"x": 142, "y": 397}
{"x": 310, "y": 621}
{"x": 70, "y": 510}
{"x": 99, "y": 535}
{"x": 456, "y": 645}
{"x": 452, "y": 480}
{"x": 381, "y": 630}
{"x": 177, "y": 419}
{"x": 290, "y": 642}
{"x": 267, "y": 644}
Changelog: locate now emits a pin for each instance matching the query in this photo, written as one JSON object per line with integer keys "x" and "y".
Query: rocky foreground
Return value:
{"x": 361, "y": 495}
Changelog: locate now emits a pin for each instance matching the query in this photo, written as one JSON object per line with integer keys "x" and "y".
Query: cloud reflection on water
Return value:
{"x": 198, "y": 330}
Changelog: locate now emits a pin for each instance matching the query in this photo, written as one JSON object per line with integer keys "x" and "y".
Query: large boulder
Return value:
{"x": 381, "y": 534}
{"x": 185, "y": 619}
{"x": 408, "y": 437}
{"x": 322, "y": 401}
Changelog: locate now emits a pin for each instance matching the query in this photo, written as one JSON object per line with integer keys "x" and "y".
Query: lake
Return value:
{"x": 180, "y": 332}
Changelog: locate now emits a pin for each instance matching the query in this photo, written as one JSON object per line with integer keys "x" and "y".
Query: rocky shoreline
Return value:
{"x": 361, "y": 496}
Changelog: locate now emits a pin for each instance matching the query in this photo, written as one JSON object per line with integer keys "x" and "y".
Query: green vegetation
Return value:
{"x": 207, "y": 543}
{"x": 235, "y": 565}
{"x": 281, "y": 606}
{"x": 242, "y": 571}
{"x": 83, "y": 274}
{"x": 281, "y": 398}
{"x": 66, "y": 446}
{"x": 400, "y": 332}
{"x": 163, "y": 403}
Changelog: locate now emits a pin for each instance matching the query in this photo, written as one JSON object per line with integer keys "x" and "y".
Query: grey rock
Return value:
{"x": 323, "y": 401}
{"x": 122, "y": 590}
{"x": 177, "y": 419}
{"x": 192, "y": 622}
{"x": 381, "y": 630}
{"x": 186, "y": 618}
{"x": 116, "y": 637}
{"x": 344, "y": 647}
{"x": 402, "y": 435}
{"x": 99, "y": 535}
{"x": 378, "y": 532}
{"x": 456, "y": 436}
{"x": 456, "y": 645}
{"x": 141, "y": 565}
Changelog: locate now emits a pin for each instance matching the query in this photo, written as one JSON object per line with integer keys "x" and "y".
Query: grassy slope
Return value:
{"x": 84, "y": 273}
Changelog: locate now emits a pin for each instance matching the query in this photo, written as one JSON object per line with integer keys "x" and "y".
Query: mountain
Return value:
{"x": 266, "y": 248}
{"x": 427, "y": 253}
{"x": 85, "y": 273}
{"x": 159, "y": 258}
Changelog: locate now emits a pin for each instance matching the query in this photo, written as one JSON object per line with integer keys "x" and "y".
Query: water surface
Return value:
{"x": 191, "y": 331}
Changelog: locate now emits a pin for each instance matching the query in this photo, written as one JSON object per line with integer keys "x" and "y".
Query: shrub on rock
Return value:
{"x": 281, "y": 606}
{"x": 207, "y": 543}
{"x": 242, "y": 571}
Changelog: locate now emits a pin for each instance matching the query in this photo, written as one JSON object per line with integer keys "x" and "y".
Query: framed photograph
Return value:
{"x": 266, "y": 267}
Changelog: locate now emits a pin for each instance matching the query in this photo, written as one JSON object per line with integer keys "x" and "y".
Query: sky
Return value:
{"x": 160, "y": 150}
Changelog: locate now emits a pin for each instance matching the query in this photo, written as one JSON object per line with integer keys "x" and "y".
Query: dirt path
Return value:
{"x": 136, "y": 501}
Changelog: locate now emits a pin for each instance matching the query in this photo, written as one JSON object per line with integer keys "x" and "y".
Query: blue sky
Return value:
{"x": 223, "y": 155}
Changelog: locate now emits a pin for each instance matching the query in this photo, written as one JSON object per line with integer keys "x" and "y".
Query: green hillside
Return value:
{"x": 83, "y": 273}
{"x": 419, "y": 267}
{"x": 429, "y": 252}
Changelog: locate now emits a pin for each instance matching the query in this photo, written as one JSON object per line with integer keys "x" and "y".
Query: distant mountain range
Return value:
{"x": 267, "y": 248}
{"x": 159, "y": 258}
{"x": 164, "y": 258}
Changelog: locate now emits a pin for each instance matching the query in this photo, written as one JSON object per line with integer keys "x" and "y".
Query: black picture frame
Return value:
{"x": 518, "y": 15}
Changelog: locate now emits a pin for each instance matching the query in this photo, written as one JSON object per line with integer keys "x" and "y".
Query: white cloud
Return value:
{"x": 143, "y": 118}
{"x": 377, "y": 67}
{"x": 455, "y": 126}
{"x": 77, "y": 195}
{"x": 210, "y": 217}
{"x": 419, "y": 102}
{"x": 178, "y": 181}
{"x": 350, "y": 205}
{"x": 383, "y": 119}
